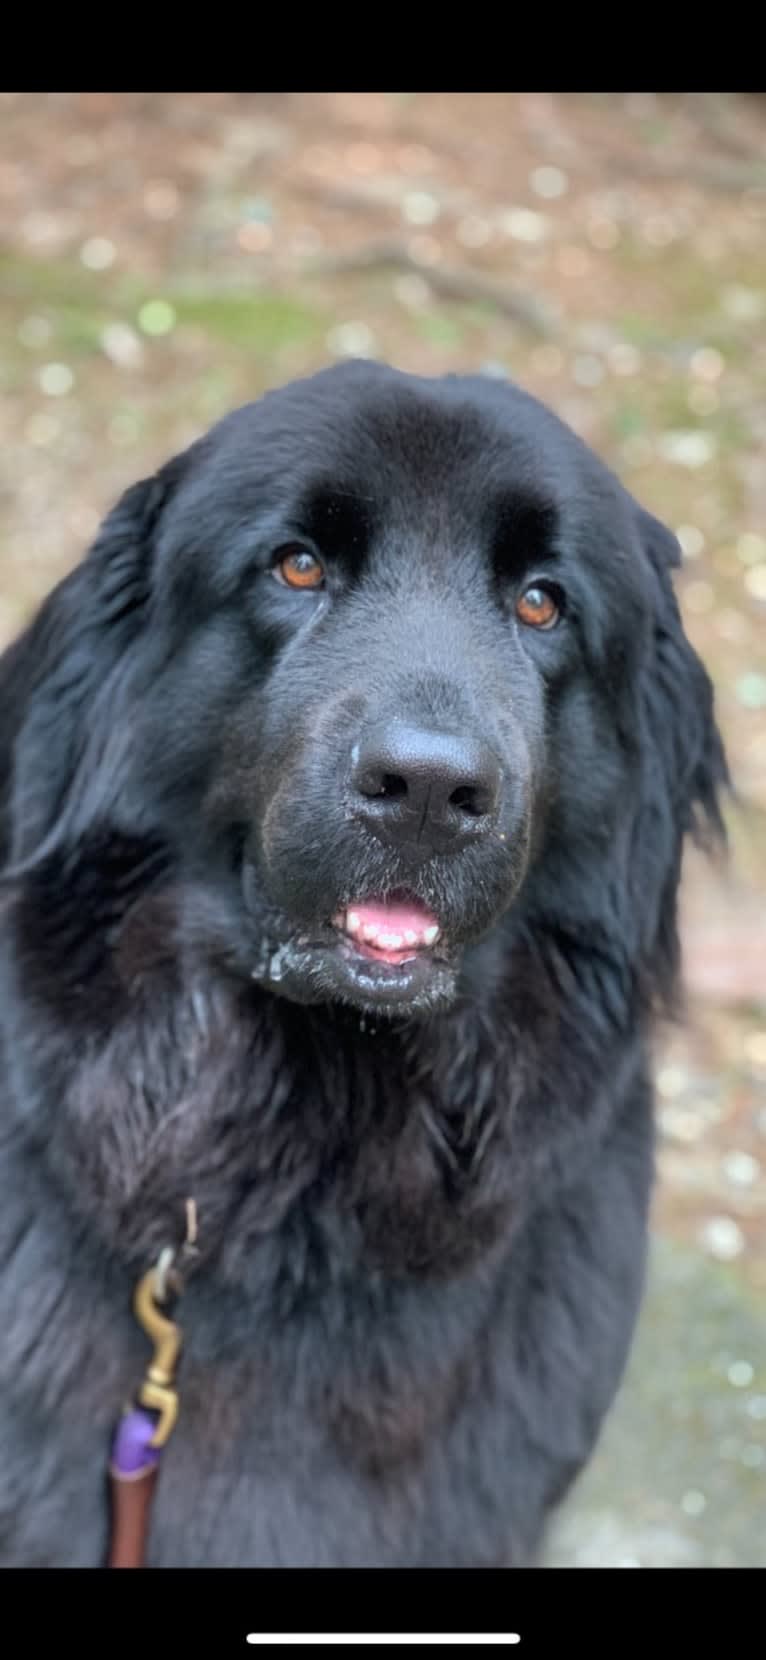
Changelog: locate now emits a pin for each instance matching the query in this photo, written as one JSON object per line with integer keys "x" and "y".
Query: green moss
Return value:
{"x": 262, "y": 321}
{"x": 79, "y": 304}
{"x": 439, "y": 329}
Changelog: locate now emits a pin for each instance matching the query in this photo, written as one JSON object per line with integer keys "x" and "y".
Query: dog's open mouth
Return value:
{"x": 392, "y": 954}
{"x": 377, "y": 954}
{"x": 388, "y": 931}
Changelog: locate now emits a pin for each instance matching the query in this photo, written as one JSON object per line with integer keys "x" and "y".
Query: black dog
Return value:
{"x": 344, "y": 787}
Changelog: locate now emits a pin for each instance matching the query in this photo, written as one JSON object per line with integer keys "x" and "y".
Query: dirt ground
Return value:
{"x": 166, "y": 256}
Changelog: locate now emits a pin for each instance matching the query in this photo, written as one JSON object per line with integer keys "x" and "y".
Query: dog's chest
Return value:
{"x": 304, "y": 1448}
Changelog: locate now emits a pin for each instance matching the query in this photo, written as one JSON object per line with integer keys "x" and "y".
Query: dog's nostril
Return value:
{"x": 377, "y": 784}
{"x": 393, "y": 785}
{"x": 468, "y": 799}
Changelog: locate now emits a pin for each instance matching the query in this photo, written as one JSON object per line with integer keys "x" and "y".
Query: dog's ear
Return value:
{"x": 65, "y": 665}
{"x": 684, "y": 772}
{"x": 680, "y": 697}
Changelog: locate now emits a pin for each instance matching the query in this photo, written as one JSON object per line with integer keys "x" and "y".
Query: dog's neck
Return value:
{"x": 182, "y": 1078}
{"x": 207, "y": 1087}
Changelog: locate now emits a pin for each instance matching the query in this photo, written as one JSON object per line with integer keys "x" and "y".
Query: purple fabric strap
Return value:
{"x": 132, "y": 1455}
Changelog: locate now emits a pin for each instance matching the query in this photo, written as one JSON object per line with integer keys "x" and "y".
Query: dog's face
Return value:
{"x": 382, "y": 674}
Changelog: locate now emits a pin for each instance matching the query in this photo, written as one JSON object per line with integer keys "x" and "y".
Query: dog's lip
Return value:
{"x": 335, "y": 969}
{"x": 323, "y": 962}
{"x": 385, "y": 981}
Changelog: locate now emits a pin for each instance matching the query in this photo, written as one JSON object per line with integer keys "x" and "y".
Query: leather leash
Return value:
{"x": 149, "y": 1419}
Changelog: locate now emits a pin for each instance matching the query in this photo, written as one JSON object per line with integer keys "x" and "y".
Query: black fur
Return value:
{"x": 423, "y": 1213}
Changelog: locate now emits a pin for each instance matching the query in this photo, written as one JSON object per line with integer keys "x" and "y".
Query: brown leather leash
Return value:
{"x": 149, "y": 1419}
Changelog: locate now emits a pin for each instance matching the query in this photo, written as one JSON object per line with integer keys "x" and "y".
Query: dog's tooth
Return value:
{"x": 430, "y": 935}
{"x": 411, "y": 937}
{"x": 369, "y": 932}
{"x": 395, "y": 942}
{"x": 353, "y": 922}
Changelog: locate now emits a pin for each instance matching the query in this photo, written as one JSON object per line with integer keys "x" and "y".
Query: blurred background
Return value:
{"x": 166, "y": 256}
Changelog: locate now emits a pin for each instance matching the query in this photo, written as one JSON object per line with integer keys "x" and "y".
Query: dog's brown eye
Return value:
{"x": 537, "y": 608}
{"x": 299, "y": 568}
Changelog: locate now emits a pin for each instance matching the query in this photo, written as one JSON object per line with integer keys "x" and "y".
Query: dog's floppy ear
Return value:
{"x": 684, "y": 770}
{"x": 681, "y": 697}
{"x": 53, "y": 676}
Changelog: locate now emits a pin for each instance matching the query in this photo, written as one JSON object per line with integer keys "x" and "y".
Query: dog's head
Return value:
{"x": 384, "y": 660}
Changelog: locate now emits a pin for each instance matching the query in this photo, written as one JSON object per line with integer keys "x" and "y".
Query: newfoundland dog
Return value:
{"x": 344, "y": 789}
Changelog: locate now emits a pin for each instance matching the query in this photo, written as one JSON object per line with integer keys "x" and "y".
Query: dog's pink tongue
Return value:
{"x": 403, "y": 917}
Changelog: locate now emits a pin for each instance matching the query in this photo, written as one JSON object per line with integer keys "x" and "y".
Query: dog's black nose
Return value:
{"x": 433, "y": 791}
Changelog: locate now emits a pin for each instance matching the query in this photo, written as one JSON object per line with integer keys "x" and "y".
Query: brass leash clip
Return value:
{"x": 157, "y": 1391}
